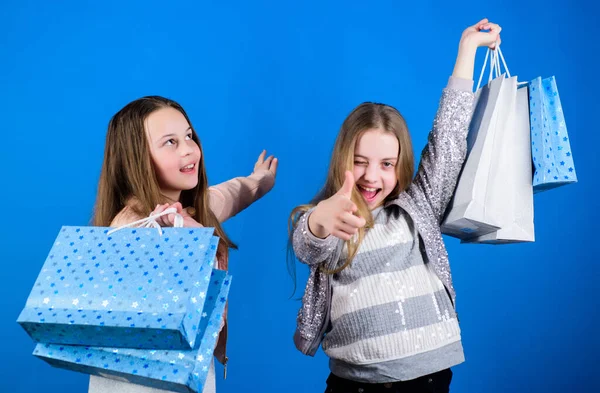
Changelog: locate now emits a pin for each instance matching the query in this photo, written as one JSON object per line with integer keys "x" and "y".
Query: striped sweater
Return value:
{"x": 391, "y": 318}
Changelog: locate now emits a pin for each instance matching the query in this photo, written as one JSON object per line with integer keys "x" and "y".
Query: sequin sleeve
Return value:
{"x": 443, "y": 156}
{"x": 308, "y": 248}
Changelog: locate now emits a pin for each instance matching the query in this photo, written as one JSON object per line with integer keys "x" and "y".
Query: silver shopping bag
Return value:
{"x": 467, "y": 215}
{"x": 510, "y": 192}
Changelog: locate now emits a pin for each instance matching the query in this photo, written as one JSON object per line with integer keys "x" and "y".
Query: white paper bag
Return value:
{"x": 467, "y": 215}
{"x": 509, "y": 189}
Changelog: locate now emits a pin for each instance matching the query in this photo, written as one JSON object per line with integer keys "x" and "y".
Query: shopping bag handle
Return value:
{"x": 505, "y": 67}
{"x": 150, "y": 221}
{"x": 496, "y": 57}
{"x": 503, "y": 62}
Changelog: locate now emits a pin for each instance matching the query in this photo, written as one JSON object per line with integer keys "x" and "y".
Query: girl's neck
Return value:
{"x": 171, "y": 196}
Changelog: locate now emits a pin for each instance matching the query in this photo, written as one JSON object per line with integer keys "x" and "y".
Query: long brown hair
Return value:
{"x": 128, "y": 172}
{"x": 366, "y": 116}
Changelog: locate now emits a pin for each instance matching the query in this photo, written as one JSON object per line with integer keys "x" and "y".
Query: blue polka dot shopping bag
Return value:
{"x": 550, "y": 147}
{"x": 132, "y": 288}
{"x": 172, "y": 370}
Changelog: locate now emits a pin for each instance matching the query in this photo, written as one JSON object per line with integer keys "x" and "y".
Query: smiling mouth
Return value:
{"x": 188, "y": 168}
{"x": 369, "y": 193}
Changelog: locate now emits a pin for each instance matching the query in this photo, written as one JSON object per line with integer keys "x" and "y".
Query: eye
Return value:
{"x": 360, "y": 162}
{"x": 188, "y": 137}
{"x": 170, "y": 142}
{"x": 388, "y": 164}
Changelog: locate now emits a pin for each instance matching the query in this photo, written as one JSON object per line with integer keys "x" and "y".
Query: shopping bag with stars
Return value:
{"x": 134, "y": 288}
{"x": 550, "y": 146}
{"x": 180, "y": 371}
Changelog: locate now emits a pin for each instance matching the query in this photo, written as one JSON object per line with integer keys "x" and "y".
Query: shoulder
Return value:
{"x": 125, "y": 216}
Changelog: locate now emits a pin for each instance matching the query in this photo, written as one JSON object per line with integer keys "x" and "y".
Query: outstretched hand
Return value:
{"x": 335, "y": 215}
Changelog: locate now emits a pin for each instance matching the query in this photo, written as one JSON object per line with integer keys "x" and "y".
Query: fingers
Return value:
{"x": 189, "y": 222}
{"x": 495, "y": 44}
{"x": 344, "y": 231}
{"x": 347, "y": 226}
{"x": 178, "y": 207}
{"x": 160, "y": 208}
{"x": 261, "y": 157}
{"x": 488, "y": 34}
{"x": 348, "y": 205}
{"x": 494, "y": 30}
{"x": 167, "y": 220}
{"x": 493, "y": 27}
{"x": 268, "y": 164}
{"x": 352, "y": 220}
{"x": 480, "y": 23}
{"x": 170, "y": 219}
{"x": 342, "y": 235}
{"x": 163, "y": 221}
{"x": 273, "y": 167}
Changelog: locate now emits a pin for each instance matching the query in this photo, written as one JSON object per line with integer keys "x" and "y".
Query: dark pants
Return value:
{"x": 433, "y": 383}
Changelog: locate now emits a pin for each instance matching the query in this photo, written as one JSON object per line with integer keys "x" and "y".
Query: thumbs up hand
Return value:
{"x": 335, "y": 215}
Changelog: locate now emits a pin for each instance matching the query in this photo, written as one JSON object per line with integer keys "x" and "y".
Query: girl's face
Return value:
{"x": 375, "y": 160}
{"x": 174, "y": 153}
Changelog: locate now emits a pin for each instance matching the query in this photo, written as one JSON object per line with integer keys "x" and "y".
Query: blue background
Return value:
{"x": 282, "y": 76}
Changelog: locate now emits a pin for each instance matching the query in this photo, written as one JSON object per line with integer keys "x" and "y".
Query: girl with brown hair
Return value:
{"x": 153, "y": 160}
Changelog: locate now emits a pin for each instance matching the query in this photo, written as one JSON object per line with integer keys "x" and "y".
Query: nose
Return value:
{"x": 370, "y": 175}
{"x": 186, "y": 149}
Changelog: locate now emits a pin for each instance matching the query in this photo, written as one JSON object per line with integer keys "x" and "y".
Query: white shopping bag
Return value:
{"x": 467, "y": 215}
{"x": 509, "y": 190}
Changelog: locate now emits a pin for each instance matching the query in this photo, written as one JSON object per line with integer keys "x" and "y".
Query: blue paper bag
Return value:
{"x": 550, "y": 147}
{"x": 180, "y": 371}
{"x": 134, "y": 288}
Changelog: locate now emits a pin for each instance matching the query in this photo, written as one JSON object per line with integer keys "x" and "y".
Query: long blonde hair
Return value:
{"x": 366, "y": 116}
{"x": 128, "y": 172}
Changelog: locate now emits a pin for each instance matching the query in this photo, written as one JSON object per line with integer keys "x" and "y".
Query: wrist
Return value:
{"x": 465, "y": 60}
{"x": 466, "y": 53}
{"x": 467, "y": 45}
{"x": 314, "y": 225}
